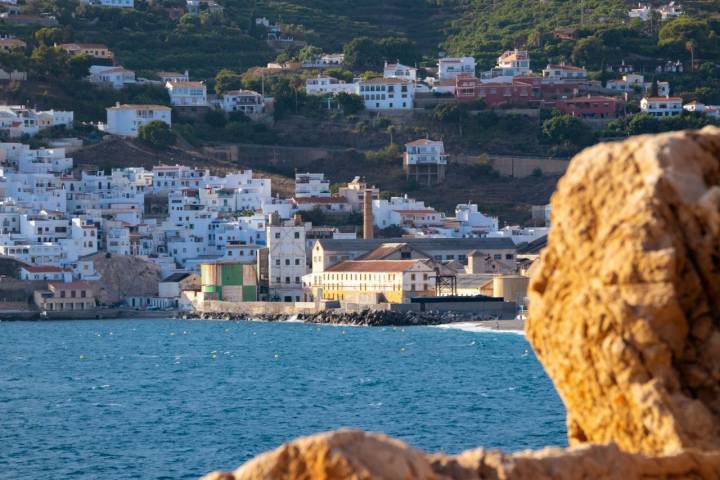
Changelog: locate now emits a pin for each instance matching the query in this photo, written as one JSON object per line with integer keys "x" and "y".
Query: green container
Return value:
{"x": 232, "y": 274}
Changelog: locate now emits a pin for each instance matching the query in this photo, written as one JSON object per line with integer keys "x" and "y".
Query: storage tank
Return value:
{"x": 230, "y": 281}
{"x": 511, "y": 288}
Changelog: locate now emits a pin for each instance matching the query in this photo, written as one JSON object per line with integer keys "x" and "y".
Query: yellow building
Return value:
{"x": 373, "y": 281}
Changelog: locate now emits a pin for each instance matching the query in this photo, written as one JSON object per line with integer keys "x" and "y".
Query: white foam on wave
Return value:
{"x": 477, "y": 327}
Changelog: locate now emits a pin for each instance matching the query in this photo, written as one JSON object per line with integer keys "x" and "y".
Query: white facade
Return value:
{"x": 287, "y": 261}
{"x": 450, "y": 67}
{"x": 511, "y": 63}
{"x": 166, "y": 77}
{"x": 472, "y": 222}
{"x": 398, "y": 70}
{"x": 311, "y": 185}
{"x": 404, "y": 211}
{"x": 326, "y": 60}
{"x": 661, "y": 106}
{"x": 425, "y": 151}
{"x": 111, "y": 3}
{"x": 328, "y": 85}
{"x": 126, "y": 120}
{"x": 709, "y": 110}
{"x": 635, "y": 82}
{"x": 116, "y": 77}
{"x": 387, "y": 94}
{"x": 28, "y": 160}
{"x": 245, "y": 101}
{"x": 187, "y": 94}
{"x": 17, "y": 120}
{"x": 564, "y": 72}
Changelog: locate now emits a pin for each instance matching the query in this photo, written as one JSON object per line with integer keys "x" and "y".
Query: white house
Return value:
{"x": 425, "y": 161}
{"x": 564, "y": 72}
{"x": 311, "y": 185}
{"x": 387, "y": 94}
{"x": 46, "y": 273}
{"x": 632, "y": 82}
{"x": 709, "y": 110}
{"x": 116, "y": 77}
{"x": 126, "y": 120}
{"x": 248, "y": 102}
{"x": 398, "y": 70}
{"x": 326, "y": 60}
{"x": 17, "y": 120}
{"x": 450, "y": 67}
{"x": 642, "y": 12}
{"x": 321, "y": 85}
{"x": 661, "y": 106}
{"x": 511, "y": 63}
{"x": 473, "y": 222}
{"x": 187, "y": 94}
{"x": 166, "y": 77}
{"x": 111, "y": 3}
{"x": 671, "y": 10}
{"x": 404, "y": 211}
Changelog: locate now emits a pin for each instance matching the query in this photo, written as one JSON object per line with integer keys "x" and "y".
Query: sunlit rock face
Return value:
{"x": 624, "y": 315}
{"x": 625, "y": 307}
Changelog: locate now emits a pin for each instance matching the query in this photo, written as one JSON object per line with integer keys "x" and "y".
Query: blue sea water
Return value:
{"x": 170, "y": 399}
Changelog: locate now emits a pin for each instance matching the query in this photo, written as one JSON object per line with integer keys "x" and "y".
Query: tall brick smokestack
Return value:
{"x": 368, "y": 223}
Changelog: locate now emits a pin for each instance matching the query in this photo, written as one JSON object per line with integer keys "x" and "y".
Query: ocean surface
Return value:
{"x": 170, "y": 399}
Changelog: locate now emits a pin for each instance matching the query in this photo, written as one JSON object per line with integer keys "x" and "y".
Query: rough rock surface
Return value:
{"x": 625, "y": 308}
{"x": 625, "y": 318}
{"x": 124, "y": 276}
{"x": 356, "y": 455}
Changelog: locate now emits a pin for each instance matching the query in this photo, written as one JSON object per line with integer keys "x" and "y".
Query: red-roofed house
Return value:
{"x": 588, "y": 107}
{"x": 45, "y": 272}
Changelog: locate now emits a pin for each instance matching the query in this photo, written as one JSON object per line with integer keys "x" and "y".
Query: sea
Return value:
{"x": 174, "y": 399}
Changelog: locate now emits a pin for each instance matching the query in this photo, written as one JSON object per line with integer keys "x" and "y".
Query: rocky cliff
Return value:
{"x": 624, "y": 316}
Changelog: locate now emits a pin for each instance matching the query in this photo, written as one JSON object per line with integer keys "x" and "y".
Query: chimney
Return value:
{"x": 368, "y": 223}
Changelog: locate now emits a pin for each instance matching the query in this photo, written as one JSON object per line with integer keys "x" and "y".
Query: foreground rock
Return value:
{"x": 347, "y": 454}
{"x": 626, "y": 303}
{"x": 625, "y": 318}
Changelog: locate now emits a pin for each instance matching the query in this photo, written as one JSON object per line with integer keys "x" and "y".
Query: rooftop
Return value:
{"x": 339, "y": 245}
{"x": 374, "y": 266}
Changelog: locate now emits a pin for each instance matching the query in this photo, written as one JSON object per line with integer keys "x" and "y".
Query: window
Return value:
{"x": 277, "y": 262}
{"x": 297, "y": 234}
{"x": 508, "y": 256}
{"x": 287, "y": 279}
{"x": 297, "y": 261}
{"x": 497, "y": 256}
{"x": 287, "y": 261}
{"x": 277, "y": 234}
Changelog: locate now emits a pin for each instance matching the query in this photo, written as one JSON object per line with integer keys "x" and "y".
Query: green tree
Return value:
{"x": 157, "y": 134}
{"x": 567, "y": 130}
{"x": 78, "y": 66}
{"x": 49, "y": 36}
{"x": 309, "y": 52}
{"x": 48, "y": 61}
{"x": 362, "y": 53}
{"x": 215, "y": 118}
{"x": 589, "y": 51}
{"x": 227, "y": 80}
{"x": 350, "y": 103}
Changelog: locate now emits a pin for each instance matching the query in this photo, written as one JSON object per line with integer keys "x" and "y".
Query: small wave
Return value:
{"x": 477, "y": 327}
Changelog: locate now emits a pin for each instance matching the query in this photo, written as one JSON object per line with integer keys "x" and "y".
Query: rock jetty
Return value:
{"x": 624, "y": 316}
{"x": 368, "y": 318}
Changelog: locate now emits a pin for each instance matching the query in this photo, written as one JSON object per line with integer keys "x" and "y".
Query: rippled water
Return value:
{"x": 175, "y": 399}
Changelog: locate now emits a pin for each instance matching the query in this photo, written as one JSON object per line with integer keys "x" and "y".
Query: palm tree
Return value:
{"x": 690, "y": 46}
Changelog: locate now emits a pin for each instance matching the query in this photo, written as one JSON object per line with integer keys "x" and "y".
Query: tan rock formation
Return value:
{"x": 625, "y": 306}
{"x": 355, "y": 455}
{"x": 625, "y": 314}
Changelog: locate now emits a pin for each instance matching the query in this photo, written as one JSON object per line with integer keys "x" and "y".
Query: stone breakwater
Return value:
{"x": 368, "y": 318}
{"x": 625, "y": 318}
